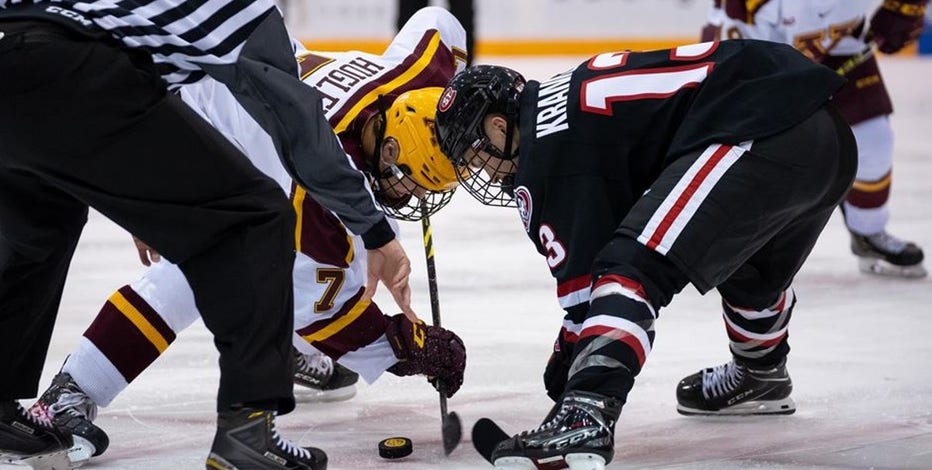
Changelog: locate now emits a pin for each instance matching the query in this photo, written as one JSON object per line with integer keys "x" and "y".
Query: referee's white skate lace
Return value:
{"x": 722, "y": 379}
{"x": 76, "y": 404}
{"x": 318, "y": 365}
{"x": 288, "y": 446}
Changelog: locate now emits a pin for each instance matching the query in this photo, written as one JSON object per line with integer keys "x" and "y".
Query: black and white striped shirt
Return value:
{"x": 179, "y": 34}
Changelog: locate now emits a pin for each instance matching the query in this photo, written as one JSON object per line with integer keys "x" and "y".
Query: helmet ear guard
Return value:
{"x": 421, "y": 174}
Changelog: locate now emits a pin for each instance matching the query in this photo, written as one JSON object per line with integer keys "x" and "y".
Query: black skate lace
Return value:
{"x": 721, "y": 380}
{"x": 319, "y": 365}
{"x": 288, "y": 446}
{"x": 75, "y": 403}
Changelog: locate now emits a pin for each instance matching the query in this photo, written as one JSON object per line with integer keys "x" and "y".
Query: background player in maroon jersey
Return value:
{"x": 635, "y": 174}
{"x": 841, "y": 35}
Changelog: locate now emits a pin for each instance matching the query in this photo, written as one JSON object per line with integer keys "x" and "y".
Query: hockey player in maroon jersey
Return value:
{"x": 840, "y": 35}
{"x": 383, "y": 102}
{"x": 635, "y": 174}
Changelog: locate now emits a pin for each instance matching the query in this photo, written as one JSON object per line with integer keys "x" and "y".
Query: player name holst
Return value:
{"x": 551, "y": 101}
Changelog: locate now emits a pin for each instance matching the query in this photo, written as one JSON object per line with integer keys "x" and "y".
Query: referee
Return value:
{"x": 87, "y": 118}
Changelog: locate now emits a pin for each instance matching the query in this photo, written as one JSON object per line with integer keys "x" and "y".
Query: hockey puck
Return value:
{"x": 395, "y": 447}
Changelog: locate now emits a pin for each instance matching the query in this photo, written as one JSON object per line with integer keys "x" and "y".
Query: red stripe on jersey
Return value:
{"x": 625, "y": 282}
{"x": 572, "y": 285}
{"x": 688, "y": 193}
{"x": 630, "y": 340}
{"x": 740, "y": 338}
{"x": 568, "y": 336}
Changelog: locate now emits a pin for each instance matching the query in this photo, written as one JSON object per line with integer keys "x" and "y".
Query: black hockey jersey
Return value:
{"x": 594, "y": 138}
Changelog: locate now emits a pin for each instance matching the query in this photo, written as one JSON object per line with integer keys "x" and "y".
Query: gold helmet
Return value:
{"x": 410, "y": 122}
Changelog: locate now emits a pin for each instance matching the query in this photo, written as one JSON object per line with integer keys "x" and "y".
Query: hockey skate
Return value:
{"x": 579, "y": 434}
{"x": 323, "y": 379}
{"x": 32, "y": 439}
{"x": 737, "y": 389}
{"x": 885, "y": 255}
{"x": 246, "y": 439}
{"x": 70, "y": 408}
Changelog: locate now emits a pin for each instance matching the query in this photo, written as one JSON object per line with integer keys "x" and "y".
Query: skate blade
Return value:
{"x": 216, "y": 462}
{"x": 53, "y": 461}
{"x": 81, "y": 452}
{"x": 880, "y": 267}
{"x": 785, "y": 406}
{"x": 311, "y": 395}
{"x": 579, "y": 461}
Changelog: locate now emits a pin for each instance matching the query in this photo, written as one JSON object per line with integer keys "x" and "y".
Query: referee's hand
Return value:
{"x": 390, "y": 265}
{"x": 147, "y": 255}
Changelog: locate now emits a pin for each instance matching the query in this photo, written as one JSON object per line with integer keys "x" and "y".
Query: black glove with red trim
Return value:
{"x": 429, "y": 350}
{"x": 558, "y": 367}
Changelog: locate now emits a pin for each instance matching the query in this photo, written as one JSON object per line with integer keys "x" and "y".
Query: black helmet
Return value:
{"x": 470, "y": 96}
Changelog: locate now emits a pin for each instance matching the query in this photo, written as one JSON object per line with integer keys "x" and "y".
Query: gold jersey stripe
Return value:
{"x": 416, "y": 68}
{"x": 136, "y": 317}
{"x": 873, "y": 186}
{"x": 340, "y": 323}
{"x": 298, "y": 202}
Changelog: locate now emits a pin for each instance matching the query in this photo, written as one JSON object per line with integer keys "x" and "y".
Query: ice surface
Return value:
{"x": 860, "y": 362}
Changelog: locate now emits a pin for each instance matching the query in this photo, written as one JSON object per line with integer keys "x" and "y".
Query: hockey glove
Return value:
{"x": 558, "y": 367}
{"x": 896, "y": 24}
{"x": 425, "y": 349}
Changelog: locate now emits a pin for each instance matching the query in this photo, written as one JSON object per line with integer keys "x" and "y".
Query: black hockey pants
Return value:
{"x": 85, "y": 123}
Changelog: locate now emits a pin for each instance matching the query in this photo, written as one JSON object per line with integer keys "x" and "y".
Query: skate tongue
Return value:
{"x": 452, "y": 430}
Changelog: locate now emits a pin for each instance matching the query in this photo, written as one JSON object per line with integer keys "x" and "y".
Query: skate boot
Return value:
{"x": 246, "y": 439}
{"x": 31, "y": 439}
{"x": 577, "y": 434}
{"x": 886, "y": 255}
{"x": 324, "y": 379}
{"x": 737, "y": 389}
{"x": 70, "y": 408}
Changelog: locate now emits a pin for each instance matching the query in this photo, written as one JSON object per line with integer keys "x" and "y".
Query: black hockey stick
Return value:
{"x": 451, "y": 428}
{"x": 486, "y": 435}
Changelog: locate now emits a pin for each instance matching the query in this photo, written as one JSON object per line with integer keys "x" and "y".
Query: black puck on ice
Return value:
{"x": 395, "y": 447}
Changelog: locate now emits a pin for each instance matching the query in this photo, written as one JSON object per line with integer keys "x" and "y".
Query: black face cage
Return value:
{"x": 490, "y": 190}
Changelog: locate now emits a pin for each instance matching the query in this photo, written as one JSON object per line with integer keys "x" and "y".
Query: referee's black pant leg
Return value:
{"x": 39, "y": 229}
{"x": 96, "y": 122}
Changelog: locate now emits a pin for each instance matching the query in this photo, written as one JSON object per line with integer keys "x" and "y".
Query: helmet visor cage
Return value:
{"x": 489, "y": 179}
{"x": 401, "y": 196}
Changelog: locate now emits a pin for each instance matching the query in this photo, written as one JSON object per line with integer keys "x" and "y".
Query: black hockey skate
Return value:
{"x": 886, "y": 255}
{"x": 71, "y": 408}
{"x": 737, "y": 389}
{"x": 579, "y": 434}
{"x": 324, "y": 379}
{"x": 246, "y": 439}
{"x": 32, "y": 439}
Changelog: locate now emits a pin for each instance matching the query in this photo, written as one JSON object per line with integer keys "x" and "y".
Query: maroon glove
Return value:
{"x": 896, "y": 24}
{"x": 430, "y": 350}
{"x": 737, "y": 10}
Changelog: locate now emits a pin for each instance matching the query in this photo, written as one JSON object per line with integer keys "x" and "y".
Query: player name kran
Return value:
{"x": 551, "y": 100}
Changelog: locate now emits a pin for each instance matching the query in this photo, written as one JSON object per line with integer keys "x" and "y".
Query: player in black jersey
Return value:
{"x": 716, "y": 164}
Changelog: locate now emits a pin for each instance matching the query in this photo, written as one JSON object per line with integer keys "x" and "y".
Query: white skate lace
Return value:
{"x": 887, "y": 242}
{"x": 552, "y": 422}
{"x": 75, "y": 404}
{"x": 721, "y": 379}
{"x": 36, "y": 414}
{"x": 288, "y": 446}
{"x": 319, "y": 365}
